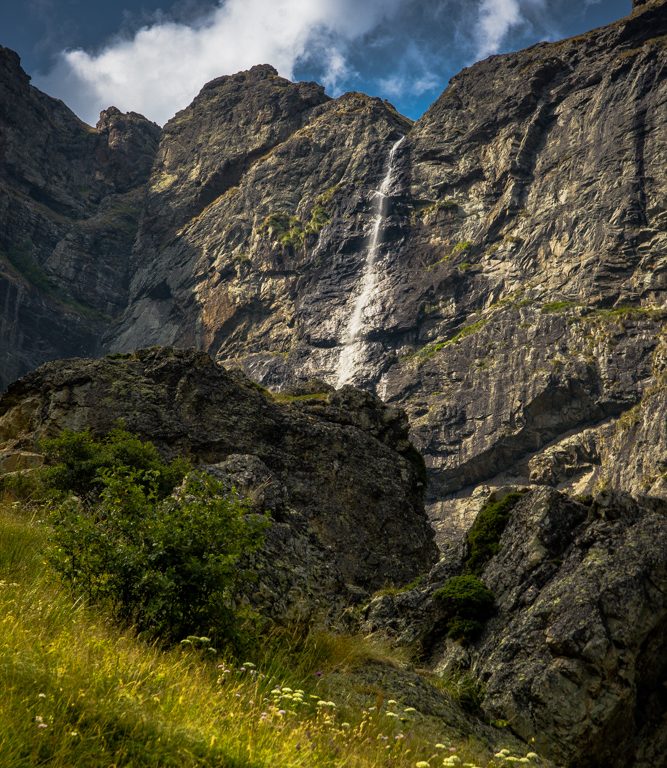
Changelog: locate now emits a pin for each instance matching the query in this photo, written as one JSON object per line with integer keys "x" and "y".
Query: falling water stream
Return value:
{"x": 354, "y": 337}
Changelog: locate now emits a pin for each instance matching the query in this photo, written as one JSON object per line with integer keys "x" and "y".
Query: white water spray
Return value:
{"x": 354, "y": 339}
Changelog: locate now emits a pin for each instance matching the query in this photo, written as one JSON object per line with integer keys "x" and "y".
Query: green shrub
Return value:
{"x": 467, "y": 603}
{"x": 168, "y": 567}
{"x": 484, "y": 536}
{"x": 166, "y": 563}
{"x": 77, "y": 462}
{"x": 286, "y": 229}
{"x": 461, "y": 247}
{"x": 319, "y": 218}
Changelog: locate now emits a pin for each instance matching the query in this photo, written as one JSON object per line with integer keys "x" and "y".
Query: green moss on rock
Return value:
{"x": 484, "y": 536}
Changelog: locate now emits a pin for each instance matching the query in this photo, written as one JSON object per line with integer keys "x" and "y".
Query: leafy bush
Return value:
{"x": 167, "y": 564}
{"x": 78, "y": 462}
{"x": 467, "y": 603}
{"x": 484, "y": 536}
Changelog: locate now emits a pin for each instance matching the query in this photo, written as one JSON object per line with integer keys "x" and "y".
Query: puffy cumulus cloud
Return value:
{"x": 405, "y": 50}
{"x": 497, "y": 19}
{"x": 162, "y": 66}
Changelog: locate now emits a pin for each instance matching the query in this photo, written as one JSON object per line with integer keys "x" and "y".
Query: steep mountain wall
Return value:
{"x": 515, "y": 302}
{"x": 70, "y": 200}
{"x": 519, "y": 287}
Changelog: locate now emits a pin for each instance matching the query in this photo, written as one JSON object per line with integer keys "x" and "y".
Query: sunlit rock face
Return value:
{"x": 497, "y": 268}
{"x": 518, "y": 284}
{"x": 254, "y": 237}
{"x": 70, "y": 200}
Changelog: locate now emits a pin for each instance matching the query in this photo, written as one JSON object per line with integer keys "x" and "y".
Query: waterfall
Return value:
{"x": 354, "y": 339}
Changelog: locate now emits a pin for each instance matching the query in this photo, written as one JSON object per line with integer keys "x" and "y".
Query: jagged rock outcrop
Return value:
{"x": 541, "y": 181}
{"x": 70, "y": 200}
{"x": 255, "y": 221}
{"x": 336, "y": 470}
{"x": 575, "y": 656}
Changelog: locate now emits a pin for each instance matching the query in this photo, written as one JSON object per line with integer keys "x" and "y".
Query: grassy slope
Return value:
{"x": 78, "y": 692}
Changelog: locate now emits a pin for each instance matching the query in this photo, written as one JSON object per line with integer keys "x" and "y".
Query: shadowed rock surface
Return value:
{"x": 521, "y": 277}
{"x": 575, "y": 656}
{"x": 337, "y": 472}
{"x": 70, "y": 200}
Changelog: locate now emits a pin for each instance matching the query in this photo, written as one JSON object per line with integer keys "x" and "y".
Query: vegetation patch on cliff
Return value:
{"x": 467, "y": 603}
{"x": 483, "y": 538}
{"x": 427, "y": 352}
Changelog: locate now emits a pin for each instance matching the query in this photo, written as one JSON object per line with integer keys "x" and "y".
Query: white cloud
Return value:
{"x": 496, "y": 19}
{"x": 163, "y": 66}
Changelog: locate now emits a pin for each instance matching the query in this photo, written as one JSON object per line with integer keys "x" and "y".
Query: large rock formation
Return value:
{"x": 70, "y": 199}
{"x": 335, "y": 469}
{"x": 516, "y": 301}
{"x": 514, "y": 305}
{"x": 575, "y": 657}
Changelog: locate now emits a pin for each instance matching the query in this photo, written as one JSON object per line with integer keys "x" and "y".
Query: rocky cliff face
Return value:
{"x": 517, "y": 295}
{"x": 70, "y": 199}
{"x": 255, "y": 223}
{"x": 343, "y": 484}
{"x": 507, "y": 289}
{"x": 574, "y": 657}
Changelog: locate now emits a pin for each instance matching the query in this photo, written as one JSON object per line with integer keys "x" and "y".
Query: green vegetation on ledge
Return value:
{"x": 427, "y": 352}
{"x": 483, "y": 538}
{"x": 467, "y": 603}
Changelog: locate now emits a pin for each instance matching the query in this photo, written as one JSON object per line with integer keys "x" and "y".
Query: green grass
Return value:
{"x": 20, "y": 257}
{"x": 285, "y": 397}
{"x": 427, "y": 352}
{"x": 464, "y": 246}
{"x": 557, "y": 306}
{"x": 76, "y": 691}
{"x": 625, "y": 311}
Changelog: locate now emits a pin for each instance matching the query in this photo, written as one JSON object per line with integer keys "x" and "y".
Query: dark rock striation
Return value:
{"x": 337, "y": 472}
{"x": 70, "y": 200}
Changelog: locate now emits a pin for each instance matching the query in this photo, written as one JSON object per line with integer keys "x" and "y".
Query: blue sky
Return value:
{"x": 153, "y": 56}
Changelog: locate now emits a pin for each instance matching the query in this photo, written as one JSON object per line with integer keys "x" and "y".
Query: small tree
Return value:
{"x": 168, "y": 564}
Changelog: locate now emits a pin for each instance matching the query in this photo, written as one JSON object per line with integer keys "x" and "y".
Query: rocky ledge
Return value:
{"x": 574, "y": 655}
